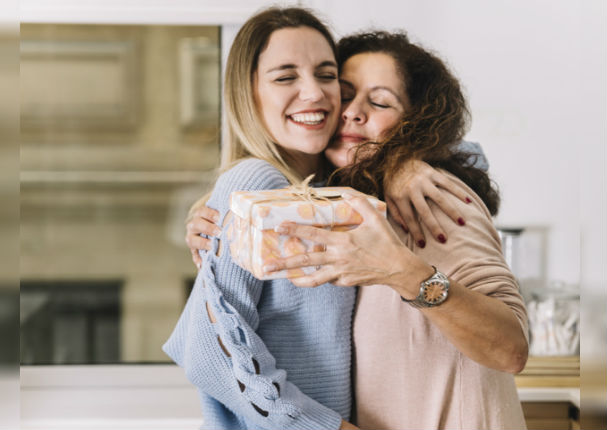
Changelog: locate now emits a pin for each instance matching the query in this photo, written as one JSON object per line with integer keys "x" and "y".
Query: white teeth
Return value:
{"x": 309, "y": 118}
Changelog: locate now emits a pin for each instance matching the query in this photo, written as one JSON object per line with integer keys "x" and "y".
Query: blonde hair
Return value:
{"x": 247, "y": 136}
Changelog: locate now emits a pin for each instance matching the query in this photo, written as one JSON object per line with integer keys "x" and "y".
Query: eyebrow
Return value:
{"x": 377, "y": 87}
{"x": 293, "y": 66}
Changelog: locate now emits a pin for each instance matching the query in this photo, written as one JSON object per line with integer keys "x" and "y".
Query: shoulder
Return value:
{"x": 477, "y": 235}
{"x": 250, "y": 175}
{"x": 476, "y": 208}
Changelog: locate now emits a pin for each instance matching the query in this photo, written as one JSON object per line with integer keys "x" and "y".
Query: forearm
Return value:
{"x": 483, "y": 328}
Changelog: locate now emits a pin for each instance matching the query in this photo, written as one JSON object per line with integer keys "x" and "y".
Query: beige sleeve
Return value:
{"x": 473, "y": 255}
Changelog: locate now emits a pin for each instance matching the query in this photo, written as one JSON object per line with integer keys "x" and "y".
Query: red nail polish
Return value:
{"x": 421, "y": 243}
{"x": 441, "y": 238}
{"x": 468, "y": 200}
{"x": 461, "y": 221}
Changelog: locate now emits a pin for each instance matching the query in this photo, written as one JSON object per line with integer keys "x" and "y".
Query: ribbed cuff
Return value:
{"x": 316, "y": 417}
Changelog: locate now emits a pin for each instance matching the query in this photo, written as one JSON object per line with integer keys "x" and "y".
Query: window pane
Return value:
{"x": 120, "y": 135}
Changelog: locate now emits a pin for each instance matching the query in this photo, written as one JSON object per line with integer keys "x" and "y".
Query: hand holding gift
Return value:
{"x": 254, "y": 243}
{"x": 351, "y": 257}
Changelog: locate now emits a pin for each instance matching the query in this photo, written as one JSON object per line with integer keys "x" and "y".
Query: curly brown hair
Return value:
{"x": 430, "y": 129}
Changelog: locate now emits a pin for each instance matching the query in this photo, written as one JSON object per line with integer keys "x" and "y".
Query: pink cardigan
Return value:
{"x": 407, "y": 374}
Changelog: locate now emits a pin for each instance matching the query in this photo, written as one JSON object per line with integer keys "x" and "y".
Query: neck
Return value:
{"x": 304, "y": 164}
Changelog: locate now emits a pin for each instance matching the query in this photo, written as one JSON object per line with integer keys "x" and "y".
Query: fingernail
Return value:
{"x": 461, "y": 221}
{"x": 421, "y": 243}
{"x": 216, "y": 217}
{"x": 441, "y": 238}
{"x": 468, "y": 200}
{"x": 199, "y": 265}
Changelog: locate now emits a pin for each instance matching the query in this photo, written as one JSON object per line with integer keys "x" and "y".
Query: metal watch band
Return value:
{"x": 419, "y": 301}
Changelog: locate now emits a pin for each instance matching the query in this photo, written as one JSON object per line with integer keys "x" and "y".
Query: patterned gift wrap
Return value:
{"x": 253, "y": 241}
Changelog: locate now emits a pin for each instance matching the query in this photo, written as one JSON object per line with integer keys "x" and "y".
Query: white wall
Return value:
{"x": 531, "y": 71}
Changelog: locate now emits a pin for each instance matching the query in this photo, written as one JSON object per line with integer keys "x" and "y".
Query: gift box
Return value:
{"x": 253, "y": 241}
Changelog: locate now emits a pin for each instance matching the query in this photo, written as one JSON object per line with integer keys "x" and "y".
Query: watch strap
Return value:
{"x": 420, "y": 301}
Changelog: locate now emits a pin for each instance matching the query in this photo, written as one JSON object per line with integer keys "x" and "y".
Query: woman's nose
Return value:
{"x": 311, "y": 91}
{"x": 353, "y": 112}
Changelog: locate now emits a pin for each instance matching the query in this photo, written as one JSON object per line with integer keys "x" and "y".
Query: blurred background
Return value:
{"x": 120, "y": 119}
{"x": 119, "y": 130}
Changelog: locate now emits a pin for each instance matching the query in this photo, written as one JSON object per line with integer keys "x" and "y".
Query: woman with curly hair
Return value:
{"x": 439, "y": 330}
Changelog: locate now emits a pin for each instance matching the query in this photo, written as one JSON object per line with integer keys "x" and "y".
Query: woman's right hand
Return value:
{"x": 201, "y": 221}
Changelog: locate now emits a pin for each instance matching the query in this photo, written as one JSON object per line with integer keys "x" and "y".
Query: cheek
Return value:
{"x": 385, "y": 124}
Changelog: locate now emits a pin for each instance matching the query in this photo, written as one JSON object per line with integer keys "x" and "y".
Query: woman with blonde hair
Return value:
{"x": 439, "y": 329}
{"x": 266, "y": 354}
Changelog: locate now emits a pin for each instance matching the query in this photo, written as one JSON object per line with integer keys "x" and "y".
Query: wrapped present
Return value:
{"x": 253, "y": 241}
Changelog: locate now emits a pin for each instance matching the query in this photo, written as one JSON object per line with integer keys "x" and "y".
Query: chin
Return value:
{"x": 337, "y": 157}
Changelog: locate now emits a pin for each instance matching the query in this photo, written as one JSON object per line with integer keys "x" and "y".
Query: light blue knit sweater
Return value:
{"x": 288, "y": 356}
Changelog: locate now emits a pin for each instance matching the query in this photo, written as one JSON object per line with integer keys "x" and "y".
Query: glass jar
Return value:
{"x": 554, "y": 320}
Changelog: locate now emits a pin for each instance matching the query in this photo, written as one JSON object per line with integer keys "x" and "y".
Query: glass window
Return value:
{"x": 120, "y": 135}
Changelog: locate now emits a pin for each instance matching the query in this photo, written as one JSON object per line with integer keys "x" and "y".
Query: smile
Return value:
{"x": 308, "y": 118}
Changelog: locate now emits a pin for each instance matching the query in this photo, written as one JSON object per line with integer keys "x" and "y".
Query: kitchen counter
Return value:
{"x": 550, "y": 394}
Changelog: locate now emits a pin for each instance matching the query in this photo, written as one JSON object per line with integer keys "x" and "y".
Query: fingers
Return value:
{"x": 447, "y": 184}
{"x": 206, "y": 213}
{"x": 428, "y": 218}
{"x": 309, "y": 232}
{"x": 410, "y": 219}
{"x": 196, "y": 258}
{"x": 394, "y": 212}
{"x": 326, "y": 274}
{"x": 439, "y": 197}
{"x": 200, "y": 225}
{"x": 298, "y": 261}
{"x": 196, "y": 242}
{"x": 366, "y": 210}
{"x": 322, "y": 276}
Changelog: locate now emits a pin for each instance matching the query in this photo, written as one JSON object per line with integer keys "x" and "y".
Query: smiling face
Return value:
{"x": 373, "y": 101}
{"x": 297, "y": 92}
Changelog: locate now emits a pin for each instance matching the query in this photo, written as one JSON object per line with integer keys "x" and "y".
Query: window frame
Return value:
{"x": 126, "y": 396}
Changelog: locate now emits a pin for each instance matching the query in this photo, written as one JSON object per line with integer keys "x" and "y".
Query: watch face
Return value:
{"x": 434, "y": 292}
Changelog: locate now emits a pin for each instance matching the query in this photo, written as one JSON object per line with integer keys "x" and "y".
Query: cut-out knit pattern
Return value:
{"x": 259, "y": 389}
{"x": 290, "y": 348}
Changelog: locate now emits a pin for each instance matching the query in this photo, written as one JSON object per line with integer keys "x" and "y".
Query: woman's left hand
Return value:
{"x": 370, "y": 254}
{"x": 407, "y": 192}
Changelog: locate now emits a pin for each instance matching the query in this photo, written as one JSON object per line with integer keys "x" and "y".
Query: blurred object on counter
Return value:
{"x": 554, "y": 320}
{"x": 511, "y": 245}
{"x": 525, "y": 252}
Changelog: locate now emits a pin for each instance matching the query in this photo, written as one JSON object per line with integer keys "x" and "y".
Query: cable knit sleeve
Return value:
{"x": 215, "y": 340}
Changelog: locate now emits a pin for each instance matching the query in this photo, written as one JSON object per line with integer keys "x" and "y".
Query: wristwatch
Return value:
{"x": 432, "y": 292}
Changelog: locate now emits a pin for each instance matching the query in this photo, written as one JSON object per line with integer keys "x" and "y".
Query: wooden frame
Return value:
{"x": 74, "y": 60}
{"x": 198, "y": 62}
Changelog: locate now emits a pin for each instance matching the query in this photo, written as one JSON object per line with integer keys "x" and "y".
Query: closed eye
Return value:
{"x": 327, "y": 76}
